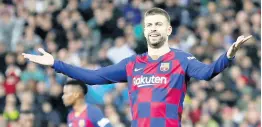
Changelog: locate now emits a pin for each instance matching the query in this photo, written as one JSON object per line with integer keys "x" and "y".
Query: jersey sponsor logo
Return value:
{"x": 149, "y": 80}
{"x": 138, "y": 69}
{"x": 191, "y": 57}
{"x": 164, "y": 66}
{"x": 103, "y": 122}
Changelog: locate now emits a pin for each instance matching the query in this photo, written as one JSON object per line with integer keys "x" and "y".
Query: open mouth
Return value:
{"x": 154, "y": 35}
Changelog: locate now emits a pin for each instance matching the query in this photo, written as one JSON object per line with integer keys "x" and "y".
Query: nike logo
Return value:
{"x": 138, "y": 69}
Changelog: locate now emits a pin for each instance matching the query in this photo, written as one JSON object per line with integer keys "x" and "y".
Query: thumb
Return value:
{"x": 42, "y": 51}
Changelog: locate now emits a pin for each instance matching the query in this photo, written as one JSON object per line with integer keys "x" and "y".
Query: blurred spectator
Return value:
{"x": 132, "y": 12}
{"x": 26, "y": 119}
{"x": 32, "y": 72}
{"x": 10, "y": 112}
{"x": 120, "y": 51}
{"x": 52, "y": 117}
{"x": 29, "y": 38}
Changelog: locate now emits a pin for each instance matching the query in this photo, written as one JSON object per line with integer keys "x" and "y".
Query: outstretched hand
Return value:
{"x": 45, "y": 59}
{"x": 233, "y": 49}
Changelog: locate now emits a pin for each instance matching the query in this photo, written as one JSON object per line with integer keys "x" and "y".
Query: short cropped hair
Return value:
{"x": 81, "y": 84}
{"x": 158, "y": 11}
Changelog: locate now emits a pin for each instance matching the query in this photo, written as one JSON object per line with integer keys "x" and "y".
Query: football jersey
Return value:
{"x": 156, "y": 87}
{"x": 90, "y": 117}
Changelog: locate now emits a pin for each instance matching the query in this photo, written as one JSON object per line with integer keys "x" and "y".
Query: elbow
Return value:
{"x": 210, "y": 76}
{"x": 206, "y": 78}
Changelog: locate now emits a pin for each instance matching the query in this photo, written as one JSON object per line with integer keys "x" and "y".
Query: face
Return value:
{"x": 26, "y": 119}
{"x": 69, "y": 95}
{"x": 156, "y": 30}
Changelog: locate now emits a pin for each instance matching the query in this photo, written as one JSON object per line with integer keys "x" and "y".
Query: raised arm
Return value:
{"x": 106, "y": 75}
{"x": 199, "y": 70}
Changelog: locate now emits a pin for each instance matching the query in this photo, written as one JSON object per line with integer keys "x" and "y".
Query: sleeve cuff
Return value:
{"x": 231, "y": 58}
{"x": 54, "y": 65}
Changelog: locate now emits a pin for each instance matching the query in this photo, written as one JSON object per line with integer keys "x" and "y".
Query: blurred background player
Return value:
{"x": 82, "y": 114}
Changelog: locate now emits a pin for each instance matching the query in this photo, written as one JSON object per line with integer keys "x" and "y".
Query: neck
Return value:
{"x": 79, "y": 105}
{"x": 159, "y": 51}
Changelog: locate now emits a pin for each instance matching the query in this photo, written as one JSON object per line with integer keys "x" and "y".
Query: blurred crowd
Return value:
{"x": 98, "y": 33}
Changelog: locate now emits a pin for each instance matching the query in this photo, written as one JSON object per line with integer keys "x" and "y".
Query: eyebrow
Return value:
{"x": 155, "y": 22}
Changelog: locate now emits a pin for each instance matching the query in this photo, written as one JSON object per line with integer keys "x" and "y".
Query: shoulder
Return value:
{"x": 138, "y": 57}
{"x": 93, "y": 108}
{"x": 179, "y": 54}
{"x": 70, "y": 114}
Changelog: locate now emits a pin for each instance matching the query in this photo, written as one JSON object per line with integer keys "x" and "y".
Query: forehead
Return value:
{"x": 67, "y": 88}
{"x": 155, "y": 18}
{"x": 71, "y": 88}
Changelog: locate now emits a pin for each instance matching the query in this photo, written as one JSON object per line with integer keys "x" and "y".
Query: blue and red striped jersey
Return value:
{"x": 90, "y": 117}
{"x": 156, "y": 87}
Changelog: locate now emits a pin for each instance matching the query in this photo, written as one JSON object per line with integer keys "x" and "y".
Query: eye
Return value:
{"x": 148, "y": 25}
{"x": 159, "y": 24}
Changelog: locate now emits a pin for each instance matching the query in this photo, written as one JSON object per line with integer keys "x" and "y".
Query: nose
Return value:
{"x": 153, "y": 28}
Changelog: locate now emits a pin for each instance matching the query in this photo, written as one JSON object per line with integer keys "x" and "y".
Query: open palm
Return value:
{"x": 233, "y": 49}
{"x": 45, "y": 59}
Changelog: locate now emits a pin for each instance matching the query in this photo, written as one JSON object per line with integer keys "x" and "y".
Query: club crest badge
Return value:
{"x": 81, "y": 123}
{"x": 164, "y": 66}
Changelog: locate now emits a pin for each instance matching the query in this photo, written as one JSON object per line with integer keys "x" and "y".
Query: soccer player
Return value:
{"x": 82, "y": 114}
{"x": 157, "y": 80}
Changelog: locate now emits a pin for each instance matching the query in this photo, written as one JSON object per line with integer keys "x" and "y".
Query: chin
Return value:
{"x": 66, "y": 104}
{"x": 154, "y": 43}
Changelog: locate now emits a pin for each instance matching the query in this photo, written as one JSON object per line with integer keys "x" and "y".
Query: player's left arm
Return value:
{"x": 202, "y": 71}
{"x": 99, "y": 120}
{"x": 199, "y": 70}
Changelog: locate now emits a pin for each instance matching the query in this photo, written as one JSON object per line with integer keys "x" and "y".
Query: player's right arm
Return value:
{"x": 105, "y": 75}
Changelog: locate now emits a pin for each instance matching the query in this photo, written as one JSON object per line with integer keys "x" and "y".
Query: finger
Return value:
{"x": 35, "y": 60}
{"x": 240, "y": 38}
{"x": 234, "y": 46}
{"x": 42, "y": 51}
{"x": 244, "y": 40}
{"x": 29, "y": 56}
{"x": 26, "y": 55}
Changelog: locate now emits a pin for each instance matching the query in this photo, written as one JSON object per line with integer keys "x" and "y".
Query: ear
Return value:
{"x": 76, "y": 94}
{"x": 169, "y": 30}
